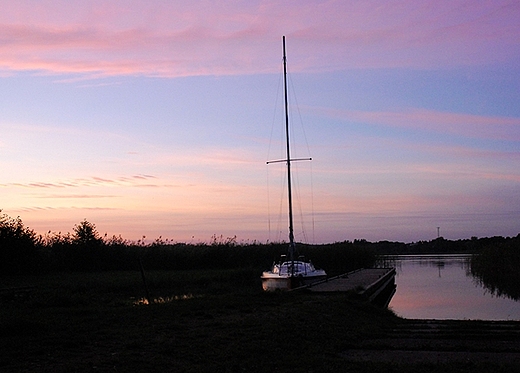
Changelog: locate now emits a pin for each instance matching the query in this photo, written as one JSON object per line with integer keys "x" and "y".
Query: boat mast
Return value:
{"x": 289, "y": 186}
{"x": 288, "y": 160}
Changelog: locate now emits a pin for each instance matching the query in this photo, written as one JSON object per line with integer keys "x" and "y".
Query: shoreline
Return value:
{"x": 217, "y": 321}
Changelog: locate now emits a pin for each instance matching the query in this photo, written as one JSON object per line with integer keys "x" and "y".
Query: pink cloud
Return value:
{"x": 194, "y": 38}
{"x": 467, "y": 125}
{"x": 76, "y": 196}
{"x": 136, "y": 180}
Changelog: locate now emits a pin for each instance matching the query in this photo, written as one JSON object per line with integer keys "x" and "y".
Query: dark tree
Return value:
{"x": 18, "y": 252}
{"x": 87, "y": 246}
{"x": 86, "y": 234}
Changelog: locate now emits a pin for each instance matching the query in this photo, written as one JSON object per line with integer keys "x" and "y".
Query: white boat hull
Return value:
{"x": 274, "y": 283}
{"x": 288, "y": 276}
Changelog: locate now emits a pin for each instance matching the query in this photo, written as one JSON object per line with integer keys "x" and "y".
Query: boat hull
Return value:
{"x": 274, "y": 282}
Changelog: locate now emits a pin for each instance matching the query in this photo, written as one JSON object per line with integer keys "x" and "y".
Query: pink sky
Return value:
{"x": 173, "y": 39}
{"x": 155, "y": 118}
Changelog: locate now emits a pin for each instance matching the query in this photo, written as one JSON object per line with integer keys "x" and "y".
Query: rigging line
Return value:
{"x": 293, "y": 96}
{"x": 281, "y": 206}
{"x": 312, "y": 206}
{"x": 298, "y": 201}
{"x": 298, "y": 198}
{"x": 275, "y": 112}
{"x": 279, "y": 218}
{"x": 268, "y": 209}
{"x": 269, "y": 149}
{"x": 299, "y": 114}
{"x": 277, "y": 236}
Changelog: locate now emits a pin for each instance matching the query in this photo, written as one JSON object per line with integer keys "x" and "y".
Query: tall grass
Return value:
{"x": 113, "y": 288}
{"x": 23, "y": 252}
{"x": 497, "y": 268}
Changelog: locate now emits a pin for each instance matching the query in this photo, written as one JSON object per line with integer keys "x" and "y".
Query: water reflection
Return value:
{"x": 442, "y": 287}
{"x": 163, "y": 300}
{"x": 500, "y": 283}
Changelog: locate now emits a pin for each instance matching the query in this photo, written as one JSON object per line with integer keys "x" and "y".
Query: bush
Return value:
{"x": 18, "y": 253}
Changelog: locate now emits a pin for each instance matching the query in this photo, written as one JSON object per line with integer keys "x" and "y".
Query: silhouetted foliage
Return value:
{"x": 496, "y": 267}
{"x": 86, "y": 234}
{"x": 89, "y": 248}
{"x": 18, "y": 253}
{"x": 22, "y": 251}
{"x": 340, "y": 257}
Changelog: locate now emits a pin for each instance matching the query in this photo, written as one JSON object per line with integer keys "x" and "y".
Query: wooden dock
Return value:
{"x": 367, "y": 282}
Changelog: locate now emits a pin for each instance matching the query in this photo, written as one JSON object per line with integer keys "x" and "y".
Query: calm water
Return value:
{"x": 441, "y": 287}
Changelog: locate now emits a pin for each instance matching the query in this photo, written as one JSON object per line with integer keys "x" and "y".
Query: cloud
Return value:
{"x": 466, "y": 125}
{"x": 58, "y": 209}
{"x": 94, "y": 181}
{"x": 76, "y": 196}
{"x": 172, "y": 39}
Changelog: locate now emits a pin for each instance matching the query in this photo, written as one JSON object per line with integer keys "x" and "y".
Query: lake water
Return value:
{"x": 441, "y": 287}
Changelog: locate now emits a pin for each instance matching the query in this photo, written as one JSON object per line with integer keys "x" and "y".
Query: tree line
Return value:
{"x": 23, "y": 251}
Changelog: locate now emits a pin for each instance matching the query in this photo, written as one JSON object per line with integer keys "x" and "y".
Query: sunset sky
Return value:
{"x": 156, "y": 118}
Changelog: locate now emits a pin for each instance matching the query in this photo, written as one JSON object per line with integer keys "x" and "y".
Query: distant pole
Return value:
{"x": 438, "y": 232}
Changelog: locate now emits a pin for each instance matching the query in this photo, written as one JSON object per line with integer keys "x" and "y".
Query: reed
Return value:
{"x": 496, "y": 267}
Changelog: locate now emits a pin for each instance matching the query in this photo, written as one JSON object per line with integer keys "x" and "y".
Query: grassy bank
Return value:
{"x": 199, "y": 321}
{"x": 83, "y": 308}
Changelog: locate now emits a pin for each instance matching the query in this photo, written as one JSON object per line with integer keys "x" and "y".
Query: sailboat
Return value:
{"x": 290, "y": 272}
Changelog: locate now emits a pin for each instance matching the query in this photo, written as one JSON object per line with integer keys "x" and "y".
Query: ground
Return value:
{"x": 95, "y": 323}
